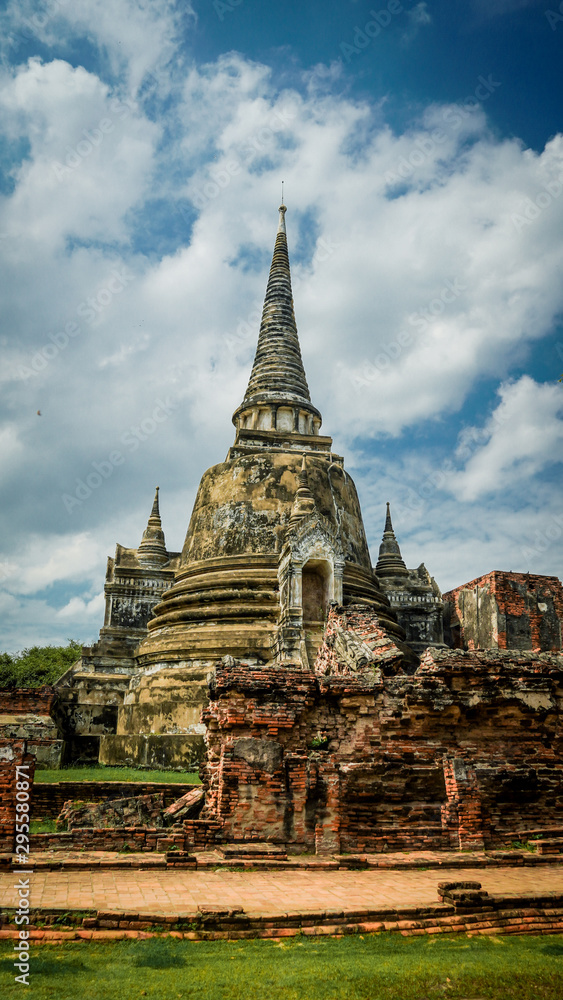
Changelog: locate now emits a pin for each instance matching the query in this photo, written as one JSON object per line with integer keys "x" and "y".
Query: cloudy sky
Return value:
{"x": 144, "y": 145}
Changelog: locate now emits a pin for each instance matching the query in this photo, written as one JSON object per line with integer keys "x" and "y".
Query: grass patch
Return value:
{"x": 370, "y": 967}
{"x": 43, "y": 826}
{"x": 102, "y": 773}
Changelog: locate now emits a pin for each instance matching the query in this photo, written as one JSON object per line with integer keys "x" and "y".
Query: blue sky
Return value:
{"x": 144, "y": 145}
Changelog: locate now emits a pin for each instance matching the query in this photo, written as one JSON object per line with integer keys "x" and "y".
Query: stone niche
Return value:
{"x": 359, "y": 755}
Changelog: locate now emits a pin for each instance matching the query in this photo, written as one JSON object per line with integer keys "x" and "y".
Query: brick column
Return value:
{"x": 461, "y": 816}
{"x": 12, "y": 754}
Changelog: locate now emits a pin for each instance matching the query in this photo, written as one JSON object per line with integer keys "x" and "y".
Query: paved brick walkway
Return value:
{"x": 181, "y": 893}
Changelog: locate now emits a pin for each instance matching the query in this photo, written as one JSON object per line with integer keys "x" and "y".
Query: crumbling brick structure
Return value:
{"x": 360, "y": 755}
{"x": 506, "y": 611}
{"x": 13, "y": 753}
{"x": 31, "y": 714}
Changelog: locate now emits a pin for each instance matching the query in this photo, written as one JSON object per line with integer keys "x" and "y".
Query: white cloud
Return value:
{"x": 90, "y": 160}
{"x": 71, "y": 557}
{"x": 132, "y": 38}
{"x": 523, "y": 436}
{"x": 80, "y": 610}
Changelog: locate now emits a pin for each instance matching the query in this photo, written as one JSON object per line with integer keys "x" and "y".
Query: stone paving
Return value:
{"x": 178, "y": 892}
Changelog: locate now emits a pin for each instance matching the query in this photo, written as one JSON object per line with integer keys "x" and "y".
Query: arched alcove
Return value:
{"x": 316, "y": 590}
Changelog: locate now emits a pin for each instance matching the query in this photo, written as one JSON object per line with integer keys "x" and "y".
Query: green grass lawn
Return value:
{"x": 101, "y": 773}
{"x": 373, "y": 967}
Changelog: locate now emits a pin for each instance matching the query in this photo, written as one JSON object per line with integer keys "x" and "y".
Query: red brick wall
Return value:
{"x": 26, "y": 701}
{"x": 12, "y": 754}
{"x": 134, "y": 838}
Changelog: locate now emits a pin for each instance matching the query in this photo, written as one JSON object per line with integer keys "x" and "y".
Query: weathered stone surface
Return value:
{"x": 226, "y": 596}
{"x": 265, "y": 755}
{"x": 92, "y": 690}
{"x": 165, "y": 701}
{"x": 164, "y": 751}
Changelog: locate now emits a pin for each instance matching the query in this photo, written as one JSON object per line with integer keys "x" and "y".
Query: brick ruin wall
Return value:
{"x": 129, "y": 838}
{"x": 26, "y": 701}
{"x": 508, "y": 611}
{"x": 13, "y": 753}
{"x": 463, "y": 753}
{"x": 50, "y": 797}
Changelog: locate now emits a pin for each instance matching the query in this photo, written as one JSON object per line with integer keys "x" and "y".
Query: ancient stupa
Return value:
{"x": 276, "y": 532}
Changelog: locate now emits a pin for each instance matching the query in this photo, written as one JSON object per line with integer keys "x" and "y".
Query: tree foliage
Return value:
{"x": 37, "y": 666}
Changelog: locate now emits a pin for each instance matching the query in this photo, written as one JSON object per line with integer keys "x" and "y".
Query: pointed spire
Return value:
{"x": 278, "y": 373}
{"x": 304, "y": 502}
{"x": 152, "y": 550}
{"x": 390, "y": 562}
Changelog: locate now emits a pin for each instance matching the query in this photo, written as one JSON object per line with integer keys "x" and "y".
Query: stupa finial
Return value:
{"x": 390, "y": 561}
{"x": 152, "y": 550}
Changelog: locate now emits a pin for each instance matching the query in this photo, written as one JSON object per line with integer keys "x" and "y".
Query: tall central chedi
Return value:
{"x": 276, "y": 532}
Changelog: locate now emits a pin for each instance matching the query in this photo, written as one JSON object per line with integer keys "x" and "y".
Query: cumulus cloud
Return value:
{"x": 79, "y": 610}
{"x": 67, "y": 186}
{"x": 131, "y": 38}
{"x": 523, "y": 436}
{"x": 65, "y": 558}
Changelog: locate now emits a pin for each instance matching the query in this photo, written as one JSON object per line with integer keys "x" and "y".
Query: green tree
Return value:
{"x": 38, "y": 665}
